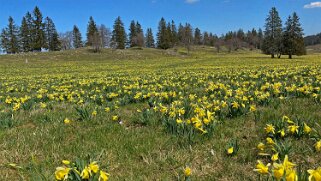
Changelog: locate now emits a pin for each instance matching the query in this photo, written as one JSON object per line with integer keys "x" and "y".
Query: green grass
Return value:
{"x": 38, "y": 139}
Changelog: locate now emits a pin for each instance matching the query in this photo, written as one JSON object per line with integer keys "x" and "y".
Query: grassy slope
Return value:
{"x": 134, "y": 152}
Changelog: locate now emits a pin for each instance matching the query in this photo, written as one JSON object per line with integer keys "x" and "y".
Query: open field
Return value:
{"x": 148, "y": 114}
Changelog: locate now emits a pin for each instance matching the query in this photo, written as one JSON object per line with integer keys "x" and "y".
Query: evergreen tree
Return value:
{"x": 38, "y": 39}
{"x": 132, "y": 34}
{"x": 174, "y": 36}
{"x": 206, "y": 39}
{"x": 188, "y": 36}
{"x": 150, "y": 42}
{"x": 139, "y": 35}
{"x": 163, "y": 40}
{"x": 180, "y": 33}
{"x": 92, "y": 31}
{"x": 272, "y": 43}
{"x": 76, "y": 37}
{"x": 260, "y": 37}
{"x": 51, "y": 35}
{"x": 293, "y": 41}
{"x": 119, "y": 34}
{"x": 26, "y": 33}
{"x": 197, "y": 37}
{"x": 9, "y": 37}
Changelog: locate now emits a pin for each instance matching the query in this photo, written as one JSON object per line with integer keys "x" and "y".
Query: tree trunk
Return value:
{"x": 290, "y": 56}
{"x": 279, "y": 56}
{"x": 272, "y": 55}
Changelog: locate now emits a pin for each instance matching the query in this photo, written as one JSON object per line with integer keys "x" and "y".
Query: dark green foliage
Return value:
{"x": 136, "y": 35}
{"x": 91, "y": 31}
{"x": 197, "y": 36}
{"x": 10, "y": 37}
{"x": 38, "y": 34}
{"x": 52, "y": 38}
{"x": 272, "y": 43}
{"x": 150, "y": 42}
{"x": 76, "y": 35}
{"x": 163, "y": 36}
{"x": 293, "y": 42}
{"x": 26, "y": 33}
{"x": 118, "y": 35}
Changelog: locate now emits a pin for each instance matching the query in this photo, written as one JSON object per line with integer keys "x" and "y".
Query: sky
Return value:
{"x": 216, "y": 16}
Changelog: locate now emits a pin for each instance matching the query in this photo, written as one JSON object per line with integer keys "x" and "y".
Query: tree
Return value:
{"x": 91, "y": 31}
{"x": 51, "y": 35}
{"x": 163, "y": 40}
{"x": 197, "y": 37}
{"x": 150, "y": 42}
{"x": 272, "y": 43}
{"x": 174, "y": 36}
{"x": 139, "y": 35}
{"x": 132, "y": 34}
{"x": 293, "y": 41}
{"x": 118, "y": 35}
{"x": 9, "y": 37}
{"x": 76, "y": 37}
{"x": 188, "y": 36}
{"x": 105, "y": 36}
{"x": 26, "y": 29}
{"x": 38, "y": 30}
{"x": 66, "y": 40}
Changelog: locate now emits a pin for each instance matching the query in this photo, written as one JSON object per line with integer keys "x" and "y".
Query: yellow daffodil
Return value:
{"x": 282, "y": 133}
{"x": 93, "y": 167}
{"x": 94, "y": 113}
{"x": 261, "y": 168}
{"x": 179, "y": 121}
{"x": 291, "y": 175}
{"x": 317, "y": 146}
{"x": 115, "y": 118}
{"x": 306, "y": 129}
{"x": 252, "y": 108}
{"x": 269, "y": 129}
{"x": 230, "y": 150}
{"x": 270, "y": 141}
{"x": 103, "y": 176}
{"x": 67, "y": 121}
{"x": 315, "y": 175}
{"x": 293, "y": 129}
{"x": 85, "y": 174}
{"x": 261, "y": 146}
{"x": 187, "y": 171}
{"x": 287, "y": 164}
{"x": 107, "y": 109}
{"x": 61, "y": 173}
{"x": 275, "y": 157}
{"x": 278, "y": 171}
{"x": 66, "y": 162}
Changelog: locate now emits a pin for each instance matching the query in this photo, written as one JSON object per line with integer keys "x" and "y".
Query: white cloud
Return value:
{"x": 191, "y": 1}
{"x": 313, "y": 5}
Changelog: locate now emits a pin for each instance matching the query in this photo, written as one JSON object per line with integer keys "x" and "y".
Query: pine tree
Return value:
{"x": 26, "y": 29}
{"x": 9, "y": 37}
{"x": 38, "y": 39}
{"x": 119, "y": 34}
{"x": 272, "y": 43}
{"x": 197, "y": 36}
{"x": 188, "y": 36}
{"x": 51, "y": 35}
{"x": 174, "y": 36}
{"x": 150, "y": 42}
{"x": 91, "y": 31}
{"x": 139, "y": 35}
{"x": 293, "y": 41}
{"x": 76, "y": 37}
{"x": 162, "y": 35}
{"x": 132, "y": 34}
{"x": 180, "y": 33}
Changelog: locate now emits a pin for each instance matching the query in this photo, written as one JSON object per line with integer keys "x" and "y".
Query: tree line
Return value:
{"x": 312, "y": 39}
{"x": 36, "y": 34}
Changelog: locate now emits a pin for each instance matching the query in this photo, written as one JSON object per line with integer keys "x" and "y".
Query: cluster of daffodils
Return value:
{"x": 276, "y": 150}
{"x": 80, "y": 171}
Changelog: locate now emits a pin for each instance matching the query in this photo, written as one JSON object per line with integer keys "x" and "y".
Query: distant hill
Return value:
{"x": 312, "y": 40}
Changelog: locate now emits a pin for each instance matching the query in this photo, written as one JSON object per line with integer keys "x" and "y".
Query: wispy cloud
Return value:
{"x": 191, "y": 1}
{"x": 313, "y": 5}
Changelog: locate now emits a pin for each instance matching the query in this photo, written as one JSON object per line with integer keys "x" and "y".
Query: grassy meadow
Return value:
{"x": 150, "y": 114}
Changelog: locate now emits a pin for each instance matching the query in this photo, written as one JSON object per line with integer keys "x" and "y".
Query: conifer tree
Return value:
{"x": 163, "y": 40}
{"x": 25, "y": 34}
{"x": 38, "y": 35}
{"x": 10, "y": 37}
{"x": 91, "y": 31}
{"x": 119, "y": 34}
{"x": 139, "y": 35}
{"x": 197, "y": 36}
{"x": 174, "y": 36}
{"x": 132, "y": 34}
{"x": 293, "y": 41}
{"x": 76, "y": 37}
{"x": 272, "y": 43}
{"x": 150, "y": 42}
{"x": 51, "y": 35}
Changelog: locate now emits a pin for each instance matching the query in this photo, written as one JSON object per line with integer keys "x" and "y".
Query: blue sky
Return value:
{"x": 217, "y": 16}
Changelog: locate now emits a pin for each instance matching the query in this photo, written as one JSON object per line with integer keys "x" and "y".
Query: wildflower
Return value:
{"x": 115, "y": 118}
{"x": 261, "y": 146}
{"x": 291, "y": 175}
{"x": 43, "y": 105}
{"x": 270, "y": 141}
{"x": 287, "y": 165}
{"x": 66, "y": 162}
{"x": 278, "y": 171}
{"x": 275, "y": 157}
{"x": 293, "y": 129}
{"x": 187, "y": 171}
{"x": 179, "y": 121}
{"x": 252, "y": 108}
{"x": 269, "y": 129}
{"x": 107, "y": 109}
{"x": 67, "y": 121}
{"x": 261, "y": 168}
{"x": 103, "y": 176}
{"x": 317, "y": 146}
{"x": 315, "y": 174}
{"x": 307, "y": 129}
{"x": 61, "y": 173}
{"x": 85, "y": 174}
{"x": 282, "y": 133}
{"x": 94, "y": 113}
{"x": 230, "y": 151}
{"x": 235, "y": 105}
{"x": 93, "y": 167}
